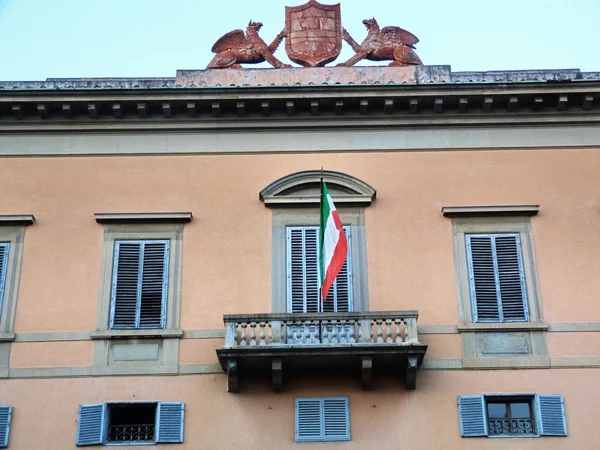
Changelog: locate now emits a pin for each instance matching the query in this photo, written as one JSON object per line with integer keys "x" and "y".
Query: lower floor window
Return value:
{"x": 131, "y": 422}
{"x": 114, "y": 423}
{"x": 512, "y": 415}
{"x": 322, "y": 419}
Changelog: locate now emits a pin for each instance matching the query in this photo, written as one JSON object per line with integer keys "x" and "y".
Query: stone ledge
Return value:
{"x": 504, "y": 326}
{"x": 7, "y": 337}
{"x": 152, "y": 217}
{"x": 486, "y": 211}
{"x": 17, "y": 219}
{"x": 136, "y": 334}
{"x": 518, "y": 362}
{"x": 368, "y": 75}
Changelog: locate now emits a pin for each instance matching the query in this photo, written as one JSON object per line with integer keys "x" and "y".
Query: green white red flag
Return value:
{"x": 334, "y": 245}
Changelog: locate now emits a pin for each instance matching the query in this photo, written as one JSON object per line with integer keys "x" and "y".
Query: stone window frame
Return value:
{"x": 294, "y": 200}
{"x": 139, "y": 351}
{"x": 498, "y": 344}
{"x": 12, "y": 231}
{"x": 491, "y": 220}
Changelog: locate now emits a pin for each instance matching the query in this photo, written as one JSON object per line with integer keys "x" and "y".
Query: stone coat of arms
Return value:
{"x": 313, "y": 33}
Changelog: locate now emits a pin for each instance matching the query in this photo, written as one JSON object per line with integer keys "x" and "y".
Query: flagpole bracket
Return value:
{"x": 277, "y": 374}
{"x": 366, "y": 373}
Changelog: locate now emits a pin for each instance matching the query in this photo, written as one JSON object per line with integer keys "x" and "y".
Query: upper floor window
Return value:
{"x": 139, "y": 284}
{"x": 294, "y": 200}
{"x": 303, "y": 277}
{"x": 496, "y": 278}
{"x": 4, "y": 247}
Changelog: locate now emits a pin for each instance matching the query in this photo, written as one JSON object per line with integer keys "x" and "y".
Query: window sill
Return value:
{"x": 503, "y": 326}
{"x": 137, "y": 334}
{"x": 7, "y": 337}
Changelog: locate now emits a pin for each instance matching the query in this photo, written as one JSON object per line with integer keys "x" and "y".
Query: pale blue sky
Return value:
{"x": 150, "y": 38}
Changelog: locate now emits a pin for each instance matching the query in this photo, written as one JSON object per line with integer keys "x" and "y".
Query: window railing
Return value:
{"x": 130, "y": 433}
{"x": 511, "y": 426}
{"x": 367, "y": 328}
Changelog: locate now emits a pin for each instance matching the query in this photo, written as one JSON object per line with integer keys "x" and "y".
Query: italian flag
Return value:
{"x": 334, "y": 245}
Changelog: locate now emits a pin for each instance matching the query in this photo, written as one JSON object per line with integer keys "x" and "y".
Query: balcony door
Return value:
{"x": 303, "y": 277}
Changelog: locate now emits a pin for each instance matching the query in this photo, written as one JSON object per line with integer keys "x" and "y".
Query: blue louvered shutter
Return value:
{"x": 336, "y": 419}
{"x": 5, "y": 416}
{"x": 550, "y": 412}
{"x": 472, "y": 416}
{"x": 140, "y": 284}
{"x": 496, "y": 278}
{"x": 90, "y": 426}
{"x": 169, "y": 422}
{"x": 308, "y": 420}
{"x": 3, "y": 268}
{"x": 303, "y": 274}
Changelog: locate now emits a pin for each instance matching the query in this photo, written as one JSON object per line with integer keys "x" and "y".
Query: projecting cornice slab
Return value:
{"x": 16, "y": 219}
{"x": 496, "y": 210}
{"x": 153, "y": 217}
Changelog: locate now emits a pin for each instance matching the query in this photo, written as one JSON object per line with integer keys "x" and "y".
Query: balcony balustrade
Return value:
{"x": 360, "y": 340}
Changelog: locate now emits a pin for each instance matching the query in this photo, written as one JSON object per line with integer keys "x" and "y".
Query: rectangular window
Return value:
{"x": 496, "y": 279}
{"x": 5, "y": 416}
{"x": 4, "y": 247}
{"x": 303, "y": 274}
{"x": 322, "y": 419}
{"x": 140, "y": 284}
{"x": 512, "y": 415}
{"x": 121, "y": 423}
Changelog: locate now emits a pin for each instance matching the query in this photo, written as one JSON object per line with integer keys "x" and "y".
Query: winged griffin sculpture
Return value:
{"x": 389, "y": 43}
{"x": 235, "y": 48}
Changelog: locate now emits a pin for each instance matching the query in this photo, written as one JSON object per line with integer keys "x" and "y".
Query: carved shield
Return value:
{"x": 314, "y": 33}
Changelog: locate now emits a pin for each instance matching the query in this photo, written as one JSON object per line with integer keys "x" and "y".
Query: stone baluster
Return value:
{"x": 398, "y": 331}
{"x": 379, "y": 331}
{"x": 389, "y": 330}
{"x": 243, "y": 336}
{"x": 252, "y": 333}
{"x": 262, "y": 333}
{"x": 351, "y": 330}
{"x": 365, "y": 331}
{"x": 334, "y": 331}
{"x": 276, "y": 332}
{"x": 289, "y": 331}
{"x": 343, "y": 339}
{"x": 328, "y": 328}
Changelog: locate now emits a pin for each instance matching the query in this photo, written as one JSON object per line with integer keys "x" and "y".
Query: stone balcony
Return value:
{"x": 356, "y": 342}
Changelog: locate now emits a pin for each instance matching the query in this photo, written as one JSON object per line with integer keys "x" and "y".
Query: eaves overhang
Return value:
{"x": 462, "y": 99}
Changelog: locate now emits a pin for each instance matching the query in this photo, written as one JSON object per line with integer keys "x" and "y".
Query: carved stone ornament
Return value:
{"x": 313, "y": 33}
{"x": 313, "y": 37}
{"x": 389, "y": 43}
{"x": 235, "y": 48}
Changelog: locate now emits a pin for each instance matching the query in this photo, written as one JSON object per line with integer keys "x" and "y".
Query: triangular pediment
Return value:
{"x": 303, "y": 188}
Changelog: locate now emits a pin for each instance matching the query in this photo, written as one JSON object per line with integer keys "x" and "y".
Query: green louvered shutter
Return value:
{"x": 550, "y": 412}
{"x": 336, "y": 419}
{"x": 496, "y": 278}
{"x": 140, "y": 284}
{"x": 90, "y": 426}
{"x": 5, "y": 416}
{"x": 472, "y": 416}
{"x": 303, "y": 275}
{"x": 169, "y": 422}
{"x": 3, "y": 268}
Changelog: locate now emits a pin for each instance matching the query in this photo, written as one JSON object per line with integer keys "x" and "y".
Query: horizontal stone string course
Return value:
{"x": 385, "y": 328}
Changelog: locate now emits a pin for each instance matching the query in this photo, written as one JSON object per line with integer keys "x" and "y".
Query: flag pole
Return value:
{"x": 321, "y": 233}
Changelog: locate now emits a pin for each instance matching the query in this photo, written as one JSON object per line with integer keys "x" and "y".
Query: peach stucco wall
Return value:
{"x": 387, "y": 418}
{"x": 227, "y": 247}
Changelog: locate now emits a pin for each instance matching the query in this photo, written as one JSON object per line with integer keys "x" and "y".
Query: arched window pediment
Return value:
{"x": 302, "y": 189}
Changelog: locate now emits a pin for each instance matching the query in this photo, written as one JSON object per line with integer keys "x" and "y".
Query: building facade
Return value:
{"x": 158, "y": 247}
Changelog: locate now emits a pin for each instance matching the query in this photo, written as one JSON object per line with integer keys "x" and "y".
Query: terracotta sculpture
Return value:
{"x": 313, "y": 33}
{"x": 389, "y": 43}
{"x": 236, "y": 48}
